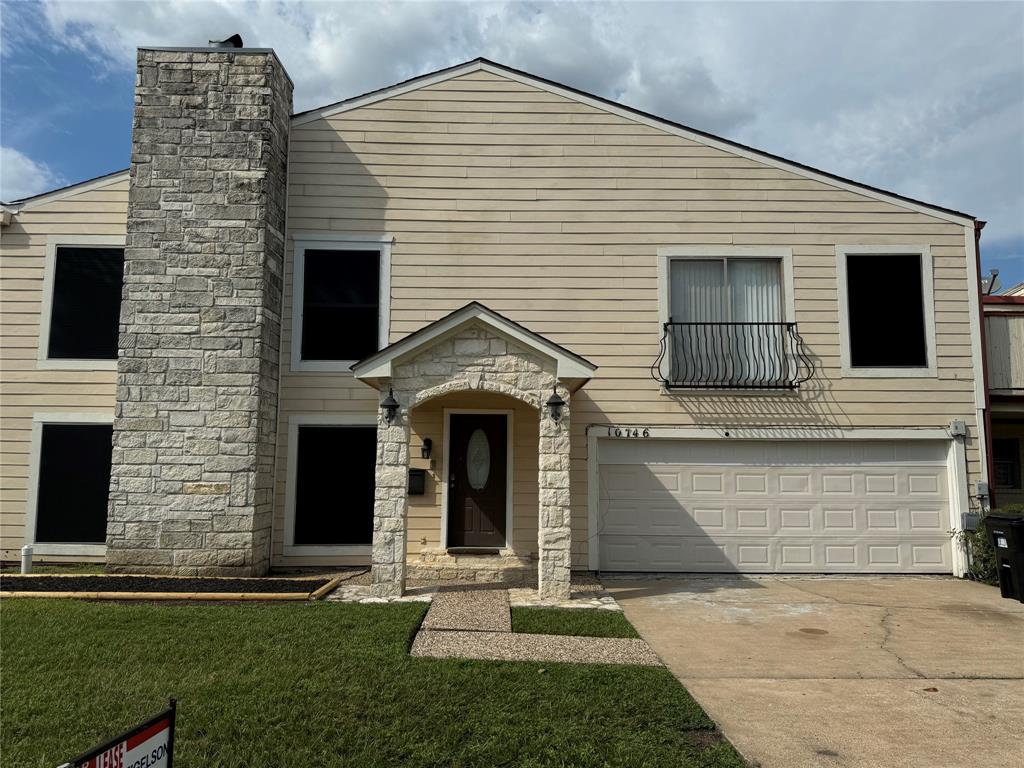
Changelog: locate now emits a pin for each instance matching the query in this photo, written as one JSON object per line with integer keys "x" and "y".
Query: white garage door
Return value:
{"x": 760, "y": 506}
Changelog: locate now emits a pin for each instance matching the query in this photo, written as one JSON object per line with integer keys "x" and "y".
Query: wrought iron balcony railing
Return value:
{"x": 732, "y": 356}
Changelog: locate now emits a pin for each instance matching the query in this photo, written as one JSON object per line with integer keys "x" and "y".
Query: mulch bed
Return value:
{"x": 153, "y": 584}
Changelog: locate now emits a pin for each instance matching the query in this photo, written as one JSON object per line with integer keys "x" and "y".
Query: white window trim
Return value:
{"x": 32, "y": 501}
{"x": 295, "y": 421}
{"x": 927, "y": 300}
{"x": 510, "y": 418}
{"x": 668, "y": 254}
{"x": 53, "y": 242}
{"x": 332, "y": 242}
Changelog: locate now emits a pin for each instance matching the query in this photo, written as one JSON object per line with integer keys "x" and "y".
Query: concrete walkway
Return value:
{"x": 470, "y": 610}
{"x": 475, "y": 623}
{"x": 823, "y": 672}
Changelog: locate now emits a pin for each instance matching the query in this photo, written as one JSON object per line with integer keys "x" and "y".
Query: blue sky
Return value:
{"x": 924, "y": 99}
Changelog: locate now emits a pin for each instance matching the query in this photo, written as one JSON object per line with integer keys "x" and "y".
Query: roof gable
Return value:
{"x": 27, "y": 203}
{"x": 571, "y": 368}
{"x": 629, "y": 113}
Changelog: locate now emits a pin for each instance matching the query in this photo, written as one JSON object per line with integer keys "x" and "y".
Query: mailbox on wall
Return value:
{"x": 417, "y": 482}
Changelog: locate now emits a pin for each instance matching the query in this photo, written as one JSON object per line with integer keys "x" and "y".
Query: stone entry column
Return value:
{"x": 555, "y": 531}
{"x": 390, "y": 507}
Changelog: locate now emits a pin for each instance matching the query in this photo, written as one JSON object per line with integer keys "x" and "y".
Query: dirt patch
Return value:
{"x": 154, "y": 584}
{"x": 702, "y": 739}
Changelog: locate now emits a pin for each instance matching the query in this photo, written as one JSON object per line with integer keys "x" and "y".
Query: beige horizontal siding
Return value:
{"x": 551, "y": 212}
{"x": 26, "y": 389}
{"x": 425, "y": 512}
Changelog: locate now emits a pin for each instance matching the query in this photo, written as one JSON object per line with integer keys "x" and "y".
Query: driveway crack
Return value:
{"x": 886, "y": 637}
{"x": 803, "y": 588}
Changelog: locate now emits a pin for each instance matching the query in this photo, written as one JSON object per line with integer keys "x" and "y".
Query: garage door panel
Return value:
{"x": 924, "y": 484}
{"x": 707, "y": 483}
{"x": 850, "y": 507}
{"x": 791, "y": 484}
{"x": 740, "y": 555}
{"x": 660, "y": 518}
{"x": 883, "y": 520}
{"x": 927, "y": 519}
{"x": 754, "y": 453}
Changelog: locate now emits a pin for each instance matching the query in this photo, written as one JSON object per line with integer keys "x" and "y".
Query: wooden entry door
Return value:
{"x": 477, "y": 481}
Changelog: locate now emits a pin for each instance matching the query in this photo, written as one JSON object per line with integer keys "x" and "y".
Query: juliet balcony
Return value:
{"x": 755, "y": 356}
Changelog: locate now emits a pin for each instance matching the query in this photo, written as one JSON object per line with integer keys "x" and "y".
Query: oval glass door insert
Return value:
{"x": 478, "y": 459}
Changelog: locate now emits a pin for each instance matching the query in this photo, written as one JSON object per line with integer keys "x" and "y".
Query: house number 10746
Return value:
{"x": 628, "y": 432}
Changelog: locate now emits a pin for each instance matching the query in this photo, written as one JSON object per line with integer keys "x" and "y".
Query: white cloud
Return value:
{"x": 925, "y": 99}
{"x": 21, "y": 176}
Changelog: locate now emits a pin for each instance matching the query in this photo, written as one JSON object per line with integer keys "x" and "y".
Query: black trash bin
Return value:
{"x": 1006, "y": 535}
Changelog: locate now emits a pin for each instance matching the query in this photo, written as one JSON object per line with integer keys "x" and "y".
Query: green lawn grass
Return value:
{"x": 571, "y": 621}
{"x": 322, "y": 684}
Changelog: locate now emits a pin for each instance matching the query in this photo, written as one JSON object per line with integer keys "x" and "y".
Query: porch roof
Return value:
{"x": 572, "y": 370}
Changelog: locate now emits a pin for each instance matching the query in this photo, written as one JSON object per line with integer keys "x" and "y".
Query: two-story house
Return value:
{"x": 1004, "y": 346}
{"x": 479, "y": 324}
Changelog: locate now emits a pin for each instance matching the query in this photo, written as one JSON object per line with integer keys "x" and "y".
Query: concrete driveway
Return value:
{"x": 854, "y": 671}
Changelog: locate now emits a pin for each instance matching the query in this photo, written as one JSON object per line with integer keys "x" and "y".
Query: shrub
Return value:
{"x": 980, "y": 556}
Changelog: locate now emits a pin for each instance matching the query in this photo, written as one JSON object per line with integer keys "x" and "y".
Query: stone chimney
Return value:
{"x": 191, "y": 485}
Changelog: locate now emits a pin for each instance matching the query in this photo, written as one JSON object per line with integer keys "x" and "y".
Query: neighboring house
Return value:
{"x": 1004, "y": 341}
{"x": 764, "y": 367}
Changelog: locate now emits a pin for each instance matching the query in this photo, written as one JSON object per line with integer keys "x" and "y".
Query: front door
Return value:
{"x": 477, "y": 482}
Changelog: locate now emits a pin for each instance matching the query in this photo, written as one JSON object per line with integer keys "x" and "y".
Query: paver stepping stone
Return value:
{"x": 469, "y": 609}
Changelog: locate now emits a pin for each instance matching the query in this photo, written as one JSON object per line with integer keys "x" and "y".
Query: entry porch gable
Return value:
{"x": 473, "y": 349}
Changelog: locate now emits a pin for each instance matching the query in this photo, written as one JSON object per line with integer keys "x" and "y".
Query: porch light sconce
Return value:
{"x": 555, "y": 405}
{"x": 428, "y": 445}
{"x": 390, "y": 406}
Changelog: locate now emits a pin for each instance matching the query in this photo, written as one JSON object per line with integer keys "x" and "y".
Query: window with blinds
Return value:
{"x": 726, "y": 322}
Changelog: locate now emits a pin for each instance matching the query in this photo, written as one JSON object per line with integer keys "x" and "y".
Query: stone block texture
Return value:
{"x": 474, "y": 359}
{"x": 195, "y": 425}
{"x": 390, "y": 519}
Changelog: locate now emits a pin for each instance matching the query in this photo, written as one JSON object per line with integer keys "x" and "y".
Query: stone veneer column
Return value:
{"x": 555, "y": 526}
{"x": 191, "y": 485}
{"x": 390, "y": 507}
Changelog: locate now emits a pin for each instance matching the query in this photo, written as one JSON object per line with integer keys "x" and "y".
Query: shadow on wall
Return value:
{"x": 331, "y": 190}
{"x": 812, "y": 405}
{"x": 643, "y": 521}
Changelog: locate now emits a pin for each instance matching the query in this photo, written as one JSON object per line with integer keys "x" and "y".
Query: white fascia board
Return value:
{"x": 387, "y": 93}
{"x": 974, "y": 313}
{"x": 627, "y": 114}
{"x": 74, "y": 189}
{"x": 380, "y": 368}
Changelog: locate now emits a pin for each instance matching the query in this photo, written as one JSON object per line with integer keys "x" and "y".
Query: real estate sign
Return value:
{"x": 147, "y": 745}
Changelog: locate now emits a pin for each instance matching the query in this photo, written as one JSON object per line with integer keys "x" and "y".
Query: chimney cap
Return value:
{"x": 235, "y": 41}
